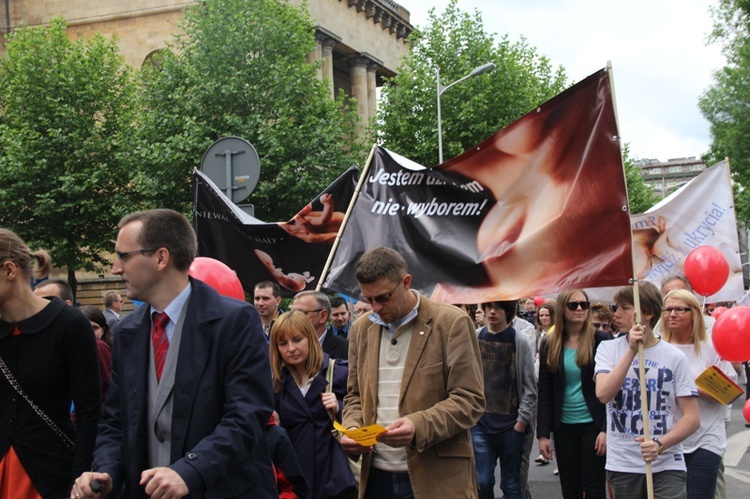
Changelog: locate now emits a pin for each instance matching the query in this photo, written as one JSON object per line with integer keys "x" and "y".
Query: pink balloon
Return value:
{"x": 218, "y": 276}
{"x": 718, "y": 311}
{"x": 707, "y": 270}
{"x": 539, "y": 301}
{"x": 746, "y": 410}
{"x": 731, "y": 334}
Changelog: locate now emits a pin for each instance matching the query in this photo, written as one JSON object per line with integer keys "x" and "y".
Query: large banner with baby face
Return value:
{"x": 701, "y": 213}
{"x": 539, "y": 207}
{"x": 291, "y": 253}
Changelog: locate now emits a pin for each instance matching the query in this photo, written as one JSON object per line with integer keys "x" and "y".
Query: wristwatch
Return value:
{"x": 661, "y": 445}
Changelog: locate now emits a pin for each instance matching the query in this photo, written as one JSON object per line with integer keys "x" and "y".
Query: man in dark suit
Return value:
{"x": 190, "y": 394}
{"x": 339, "y": 317}
{"x": 317, "y": 307}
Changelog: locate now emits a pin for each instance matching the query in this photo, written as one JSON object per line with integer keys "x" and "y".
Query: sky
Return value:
{"x": 658, "y": 49}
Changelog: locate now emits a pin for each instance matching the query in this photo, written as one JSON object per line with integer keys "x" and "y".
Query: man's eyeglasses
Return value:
{"x": 306, "y": 312}
{"x": 601, "y": 325}
{"x": 383, "y": 298}
{"x": 123, "y": 256}
{"x": 573, "y": 305}
{"x": 679, "y": 310}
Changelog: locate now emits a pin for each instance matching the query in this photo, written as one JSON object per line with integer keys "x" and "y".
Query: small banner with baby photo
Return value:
{"x": 291, "y": 253}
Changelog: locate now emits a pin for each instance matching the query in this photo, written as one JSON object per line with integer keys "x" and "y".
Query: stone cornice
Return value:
{"x": 388, "y": 14}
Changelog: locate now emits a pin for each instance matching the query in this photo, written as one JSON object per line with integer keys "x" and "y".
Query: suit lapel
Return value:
{"x": 293, "y": 393}
{"x": 134, "y": 360}
{"x": 327, "y": 341}
{"x": 194, "y": 351}
{"x": 421, "y": 331}
{"x": 372, "y": 348}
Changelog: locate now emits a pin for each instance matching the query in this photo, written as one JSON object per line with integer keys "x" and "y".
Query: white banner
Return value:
{"x": 701, "y": 213}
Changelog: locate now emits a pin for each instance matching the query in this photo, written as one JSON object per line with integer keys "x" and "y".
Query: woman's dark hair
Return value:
{"x": 93, "y": 314}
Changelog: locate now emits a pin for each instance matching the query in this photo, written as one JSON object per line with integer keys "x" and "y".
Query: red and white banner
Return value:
{"x": 539, "y": 207}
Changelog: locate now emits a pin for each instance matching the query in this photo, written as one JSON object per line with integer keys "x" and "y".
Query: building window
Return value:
{"x": 653, "y": 171}
{"x": 696, "y": 168}
{"x": 154, "y": 59}
{"x": 675, "y": 169}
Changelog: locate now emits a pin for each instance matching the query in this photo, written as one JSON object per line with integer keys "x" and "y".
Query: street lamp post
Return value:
{"x": 486, "y": 68}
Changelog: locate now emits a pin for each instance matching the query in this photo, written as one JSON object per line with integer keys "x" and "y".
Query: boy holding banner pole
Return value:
{"x": 666, "y": 388}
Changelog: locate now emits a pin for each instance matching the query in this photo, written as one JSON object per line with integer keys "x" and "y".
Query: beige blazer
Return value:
{"x": 442, "y": 393}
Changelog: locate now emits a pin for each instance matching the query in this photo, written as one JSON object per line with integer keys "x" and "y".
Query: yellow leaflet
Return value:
{"x": 364, "y": 436}
{"x": 717, "y": 384}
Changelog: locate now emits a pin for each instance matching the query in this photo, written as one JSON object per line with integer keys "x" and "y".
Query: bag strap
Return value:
{"x": 17, "y": 387}
{"x": 329, "y": 374}
{"x": 329, "y": 387}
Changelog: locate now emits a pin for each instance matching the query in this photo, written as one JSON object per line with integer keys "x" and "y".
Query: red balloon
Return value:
{"x": 731, "y": 334}
{"x": 746, "y": 410}
{"x": 707, "y": 270}
{"x": 718, "y": 311}
{"x": 539, "y": 301}
{"x": 218, "y": 276}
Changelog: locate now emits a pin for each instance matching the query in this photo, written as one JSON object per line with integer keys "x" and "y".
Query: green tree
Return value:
{"x": 64, "y": 115}
{"x": 456, "y": 43}
{"x": 240, "y": 69}
{"x": 726, "y": 103}
{"x": 640, "y": 196}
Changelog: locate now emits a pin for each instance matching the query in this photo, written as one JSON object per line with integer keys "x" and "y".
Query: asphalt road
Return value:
{"x": 545, "y": 485}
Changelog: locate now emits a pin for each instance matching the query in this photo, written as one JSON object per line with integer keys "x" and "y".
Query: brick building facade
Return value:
{"x": 359, "y": 41}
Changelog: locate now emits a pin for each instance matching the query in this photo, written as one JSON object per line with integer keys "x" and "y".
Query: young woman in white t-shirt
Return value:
{"x": 682, "y": 326}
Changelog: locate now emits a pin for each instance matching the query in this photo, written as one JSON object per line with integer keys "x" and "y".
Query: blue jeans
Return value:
{"x": 488, "y": 448}
{"x": 386, "y": 485}
{"x": 702, "y": 472}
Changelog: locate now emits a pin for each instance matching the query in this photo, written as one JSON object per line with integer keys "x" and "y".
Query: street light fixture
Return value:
{"x": 486, "y": 68}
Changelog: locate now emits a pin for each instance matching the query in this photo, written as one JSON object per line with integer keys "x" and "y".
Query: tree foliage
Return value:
{"x": 239, "y": 69}
{"x": 456, "y": 42}
{"x": 640, "y": 196}
{"x": 726, "y": 103}
{"x": 64, "y": 115}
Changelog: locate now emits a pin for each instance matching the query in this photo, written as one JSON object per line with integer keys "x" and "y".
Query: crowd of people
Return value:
{"x": 196, "y": 394}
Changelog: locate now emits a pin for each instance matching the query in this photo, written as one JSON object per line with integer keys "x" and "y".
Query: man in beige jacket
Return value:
{"x": 414, "y": 368}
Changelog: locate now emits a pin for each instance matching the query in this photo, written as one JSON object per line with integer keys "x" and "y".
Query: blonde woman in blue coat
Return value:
{"x": 305, "y": 404}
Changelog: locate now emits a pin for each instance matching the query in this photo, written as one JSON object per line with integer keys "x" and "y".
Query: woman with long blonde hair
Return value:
{"x": 305, "y": 404}
{"x": 567, "y": 405}
{"x": 682, "y": 326}
{"x": 49, "y": 358}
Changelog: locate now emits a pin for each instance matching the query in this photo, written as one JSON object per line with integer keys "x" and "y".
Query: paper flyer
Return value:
{"x": 717, "y": 384}
{"x": 364, "y": 436}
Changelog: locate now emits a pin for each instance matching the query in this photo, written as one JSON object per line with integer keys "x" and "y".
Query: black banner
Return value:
{"x": 291, "y": 253}
{"x": 428, "y": 216}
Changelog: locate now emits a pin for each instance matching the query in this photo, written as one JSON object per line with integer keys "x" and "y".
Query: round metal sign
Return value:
{"x": 233, "y": 165}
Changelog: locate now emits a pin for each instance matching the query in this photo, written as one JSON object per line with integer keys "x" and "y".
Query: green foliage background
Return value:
{"x": 726, "y": 103}
{"x": 84, "y": 139}
{"x": 65, "y": 116}
{"x": 240, "y": 68}
{"x": 456, "y": 42}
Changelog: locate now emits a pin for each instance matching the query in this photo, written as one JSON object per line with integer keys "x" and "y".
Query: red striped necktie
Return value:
{"x": 160, "y": 341}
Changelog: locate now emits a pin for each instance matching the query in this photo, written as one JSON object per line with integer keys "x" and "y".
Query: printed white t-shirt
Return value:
{"x": 711, "y": 435}
{"x": 668, "y": 376}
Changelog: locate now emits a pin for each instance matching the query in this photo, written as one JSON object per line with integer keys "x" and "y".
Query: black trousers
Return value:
{"x": 581, "y": 470}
